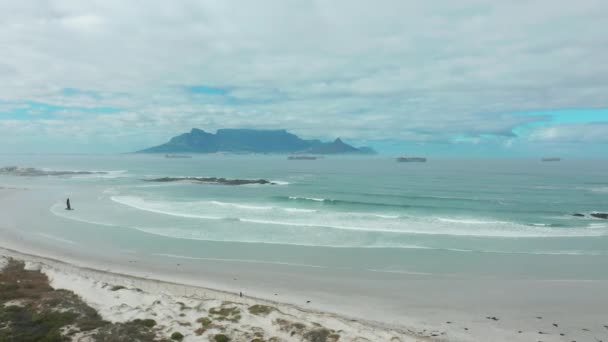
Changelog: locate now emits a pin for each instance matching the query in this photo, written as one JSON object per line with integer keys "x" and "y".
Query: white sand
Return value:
{"x": 177, "y": 308}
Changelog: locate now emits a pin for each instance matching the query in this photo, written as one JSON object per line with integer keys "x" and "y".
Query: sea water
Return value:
{"x": 479, "y": 218}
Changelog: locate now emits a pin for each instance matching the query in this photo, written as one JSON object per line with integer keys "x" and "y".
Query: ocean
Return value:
{"x": 484, "y": 218}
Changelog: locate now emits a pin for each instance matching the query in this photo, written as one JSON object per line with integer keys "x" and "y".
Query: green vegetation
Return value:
{"x": 42, "y": 314}
{"x": 23, "y": 324}
{"x": 261, "y": 310}
{"x": 221, "y": 338}
{"x": 177, "y": 336}
{"x": 320, "y": 335}
{"x": 129, "y": 331}
{"x": 226, "y": 313}
{"x": 145, "y": 322}
{"x": 205, "y": 321}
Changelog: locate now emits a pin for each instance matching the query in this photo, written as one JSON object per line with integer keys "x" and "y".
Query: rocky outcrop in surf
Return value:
{"x": 33, "y": 172}
{"x": 211, "y": 180}
{"x": 595, "y": 215}
{"x": 600, "y": 215}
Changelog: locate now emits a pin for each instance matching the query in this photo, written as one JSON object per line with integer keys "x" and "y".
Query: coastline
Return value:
{"x": 145, "y": 298}
{"x": 473, "y": 297}
{"x": 505, "y": 325}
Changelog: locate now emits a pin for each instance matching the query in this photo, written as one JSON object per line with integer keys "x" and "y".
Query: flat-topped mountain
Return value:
{"x": 251, "y": 141}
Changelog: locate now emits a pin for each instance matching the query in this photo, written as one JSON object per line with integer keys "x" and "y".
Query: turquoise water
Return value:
{"x": 479, "y": 217}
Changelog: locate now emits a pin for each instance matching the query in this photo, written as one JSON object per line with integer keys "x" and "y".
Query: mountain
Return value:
{"x": 250, "y": 141}
{"x": 337, "y": 147}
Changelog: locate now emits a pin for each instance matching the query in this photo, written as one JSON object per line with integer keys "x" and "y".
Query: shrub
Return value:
{"x": 145, "y": 322}
{"x": 221, "y": 338}
{"x": 177, "y": 336}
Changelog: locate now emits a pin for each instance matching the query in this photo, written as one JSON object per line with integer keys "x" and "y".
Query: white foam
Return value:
{"x": 278, "y": 182}
{"x": 400, "y": 272}
{"x": 346, "y": 221}
{"x": 470, "y": 221}
{"x": 139, "y": 203}
{"x": 307, "y": 198}
{"x": 240, "y": 206}
{"x": 299, "y": 210}
{"x": 93, "y": 173}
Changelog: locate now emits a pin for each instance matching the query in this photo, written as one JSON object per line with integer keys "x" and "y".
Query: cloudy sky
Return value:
{"x": 442, "y": 77}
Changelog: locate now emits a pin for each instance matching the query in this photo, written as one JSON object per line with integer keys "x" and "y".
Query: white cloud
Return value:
{"x": 359, "y": 69}
{"x": 572, "y": 133}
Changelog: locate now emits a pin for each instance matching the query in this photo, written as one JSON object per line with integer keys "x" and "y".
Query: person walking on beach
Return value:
{"x": 68, "y": 206}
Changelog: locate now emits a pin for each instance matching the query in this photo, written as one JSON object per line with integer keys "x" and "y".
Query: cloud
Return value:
{"x": 572, "y": 133}
{"x": 404, "y": 70}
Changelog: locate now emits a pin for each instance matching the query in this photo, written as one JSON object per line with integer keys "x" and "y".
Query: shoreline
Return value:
{"x": 502, "y": 324}
{"x": 59, "y": 270}
{"x": 460, "y": 307}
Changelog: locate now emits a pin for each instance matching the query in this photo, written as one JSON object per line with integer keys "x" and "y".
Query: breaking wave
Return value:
{"x": 319, "y": 221}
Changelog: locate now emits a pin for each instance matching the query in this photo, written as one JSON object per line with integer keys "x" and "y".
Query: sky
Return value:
{"x": 447, "y": 78}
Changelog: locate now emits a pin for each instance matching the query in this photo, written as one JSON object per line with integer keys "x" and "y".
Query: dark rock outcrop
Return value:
{"x": 578, "y": 215}
{"x": 600, "y": 215}
{"x": 211, "y": 180}
{"x": 33, "y": 172}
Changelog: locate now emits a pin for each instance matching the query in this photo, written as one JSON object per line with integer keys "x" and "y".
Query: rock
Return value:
{"x": 32, "y": 172}
{"x": 600, "y": 215}
{"x": 578, "y": 215}
{"x": 211, "y": 180}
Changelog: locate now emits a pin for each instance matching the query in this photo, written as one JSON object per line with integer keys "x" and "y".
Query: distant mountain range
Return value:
{"x": 252, "y": 141}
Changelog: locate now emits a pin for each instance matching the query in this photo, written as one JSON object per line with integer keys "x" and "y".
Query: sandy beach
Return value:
{"x": 120, "y": 298}
{"x": 179, "y": 307}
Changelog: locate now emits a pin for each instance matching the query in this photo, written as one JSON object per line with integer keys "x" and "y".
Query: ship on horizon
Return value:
{"x": 411, "y": 160}
{"x": 302, "y": 157}
{"x": 551, "y": 159}
{"x": 177, "y": 156}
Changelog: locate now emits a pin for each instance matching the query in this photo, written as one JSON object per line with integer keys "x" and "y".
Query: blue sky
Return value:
{"x": 475, "y": 78}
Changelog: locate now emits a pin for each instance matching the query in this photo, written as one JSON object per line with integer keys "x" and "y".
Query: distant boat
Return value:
{"x": 551, "y": 159}
{"x": 411, "y": 160}
{"x": 302, "y": 158}
{"x": 176, "y": 156}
